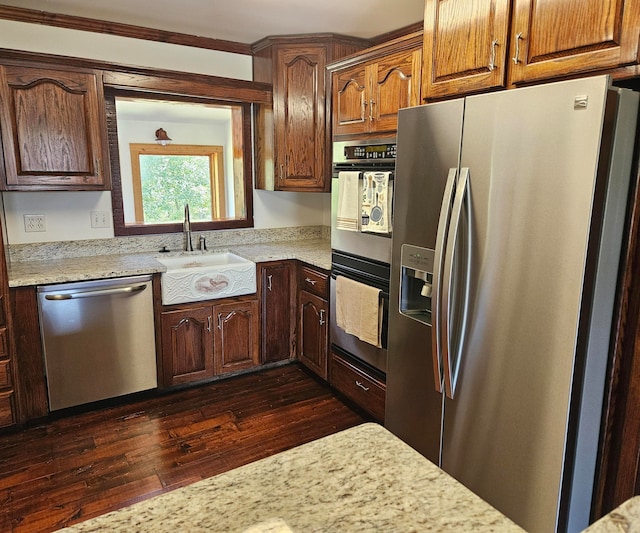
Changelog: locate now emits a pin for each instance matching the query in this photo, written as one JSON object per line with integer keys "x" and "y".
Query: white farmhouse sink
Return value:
{"x": 191, "y": 277}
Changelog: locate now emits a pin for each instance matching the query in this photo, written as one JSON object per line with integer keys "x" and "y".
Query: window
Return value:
{"x": 215, "y": 136}
{"x": 165, "y": 178}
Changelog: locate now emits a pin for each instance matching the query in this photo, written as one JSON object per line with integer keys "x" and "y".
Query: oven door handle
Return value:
{"x": 384, "y": 295}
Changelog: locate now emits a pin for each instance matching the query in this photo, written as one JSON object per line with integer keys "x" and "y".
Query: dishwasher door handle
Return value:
{"x": 99, "y": 292}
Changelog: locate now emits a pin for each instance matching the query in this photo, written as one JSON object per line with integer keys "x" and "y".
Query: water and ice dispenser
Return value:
{"x": 416, "y": 282}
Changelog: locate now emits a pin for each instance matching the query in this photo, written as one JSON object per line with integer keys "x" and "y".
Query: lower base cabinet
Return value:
{"x": 359, "y": 384}
{"x": 203, "y": 341}
{"x": 7, "y": 409}
{"x": 313, "y": 319}
{"x": 236, "y": 338}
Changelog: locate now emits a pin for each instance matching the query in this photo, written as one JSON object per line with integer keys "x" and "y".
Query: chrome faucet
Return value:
{"x": 186, "y": 229}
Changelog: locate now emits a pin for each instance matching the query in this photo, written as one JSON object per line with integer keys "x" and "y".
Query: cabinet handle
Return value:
{"x": 281, "y": 171}
{"x": 492, "y": 59}
{"x": 220, "y": 321}
{"x": 209, "y": 323}
{"x": 364, "y": 109}
{"x": 269, "y": 281}
{"x": 516, "y": 56}
{"x": 322, "y": 317}
{"x": 362, "y": 386}
{"x": 97, "y": 163}
{"x": 371, "y": 104}
{"x": 308, "y": 280}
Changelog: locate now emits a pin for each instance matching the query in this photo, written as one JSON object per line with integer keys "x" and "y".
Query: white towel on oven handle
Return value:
{"x": 359, "y": 310}
{"x": 348, "y": 213}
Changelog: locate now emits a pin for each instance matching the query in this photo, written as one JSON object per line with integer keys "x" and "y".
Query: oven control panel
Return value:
{"x": 370, "y": 151}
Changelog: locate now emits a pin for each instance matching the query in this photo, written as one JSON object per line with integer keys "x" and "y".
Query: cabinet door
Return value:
{"x": 236, "y": 336}
{"x": 277, "y": 301}
{"x": 568, "y": 36}
{"x": 187, "y": 345}
{"x": 299, "y": 115}
{"x": 313, "y": 333}
{"x": 395, "y": 83}
{"x": 465, "y": 46}
{"x": 52, "y": 129}
{"x": 350, "y": 101}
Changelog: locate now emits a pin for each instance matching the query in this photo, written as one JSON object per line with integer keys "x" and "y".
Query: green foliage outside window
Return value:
{"x": 169, "y": 182}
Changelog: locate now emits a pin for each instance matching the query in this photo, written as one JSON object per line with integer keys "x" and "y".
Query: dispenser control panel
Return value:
{"x": 416, "y": 282}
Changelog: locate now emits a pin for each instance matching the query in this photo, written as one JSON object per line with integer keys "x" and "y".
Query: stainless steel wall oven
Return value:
{"x": 358, "y": 253}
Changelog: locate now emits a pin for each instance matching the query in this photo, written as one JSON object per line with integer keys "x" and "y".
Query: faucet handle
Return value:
{"x": 203, "y": 243}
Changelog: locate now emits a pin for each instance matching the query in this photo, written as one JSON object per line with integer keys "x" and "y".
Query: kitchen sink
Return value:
{"x": 195, "y": 277}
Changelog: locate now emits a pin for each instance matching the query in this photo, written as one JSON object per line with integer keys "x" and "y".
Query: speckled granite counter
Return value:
{"x": 41, "y": 272}
{"x": 625, "y": 517}
{"x": 363, "y": 479}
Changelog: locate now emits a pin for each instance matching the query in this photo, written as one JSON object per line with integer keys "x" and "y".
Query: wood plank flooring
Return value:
{"x": 74, "y": 468}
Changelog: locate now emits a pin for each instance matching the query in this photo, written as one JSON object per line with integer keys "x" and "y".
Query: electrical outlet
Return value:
{"x": 34, "y": 223}
{"x": 99, "y": 219}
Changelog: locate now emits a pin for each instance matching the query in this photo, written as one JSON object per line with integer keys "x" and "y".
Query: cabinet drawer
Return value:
{"x": 313, "y": 281}
{"x": 5, "y": 375}
{"x": 356, "y": 384}
{"x": 6, "y": 409}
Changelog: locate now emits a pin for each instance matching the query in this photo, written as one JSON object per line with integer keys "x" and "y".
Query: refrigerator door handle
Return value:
{"x": 451, "y": 365}
{"x": 443, "y": 227}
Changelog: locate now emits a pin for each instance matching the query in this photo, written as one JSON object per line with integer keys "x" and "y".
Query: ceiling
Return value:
{"x": 244, "y": 21}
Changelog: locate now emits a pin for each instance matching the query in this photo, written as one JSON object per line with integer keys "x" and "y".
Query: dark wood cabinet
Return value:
{"x": 551, "y": 39}
{"x": 465, "y": 46}
{"x": 370, "y": 88}
{"x": 8, "y": 400}
{"x": 277, "y": 290}
{"x": 363, "y": 386}
{"x": 313, "y": 319}
{"x": 187, "y": 345}
{"x": 313, "y": 332}
{"x": 236, "y": 336}
{"x": 53, "y": 129}
{"x": 204, "y": 340}
{"x": 293, "y": 135}
{"x": 474, "y": 46}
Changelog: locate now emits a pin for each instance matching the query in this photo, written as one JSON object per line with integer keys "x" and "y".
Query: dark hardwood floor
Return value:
{"x": 73, "y": 468}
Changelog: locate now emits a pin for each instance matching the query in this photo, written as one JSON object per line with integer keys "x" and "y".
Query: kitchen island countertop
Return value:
{"x": 42, "y": 272}
{"x": 362, "y": 479}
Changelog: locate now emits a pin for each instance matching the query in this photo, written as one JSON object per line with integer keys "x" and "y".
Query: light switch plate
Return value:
{"x": 100, "y": 219}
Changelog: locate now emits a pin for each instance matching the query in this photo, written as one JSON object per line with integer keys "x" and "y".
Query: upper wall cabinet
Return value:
{"x": 53, "y": 129}
{"x": 465, "y": 46}
{"x": 565, "y": 37}
{"x": 472, "y": 46}
{"x": 293, "y": 134}
{"x": 368, "y": 89}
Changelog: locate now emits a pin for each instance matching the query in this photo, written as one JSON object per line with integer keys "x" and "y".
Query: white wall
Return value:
{"x": 68, "y": 214}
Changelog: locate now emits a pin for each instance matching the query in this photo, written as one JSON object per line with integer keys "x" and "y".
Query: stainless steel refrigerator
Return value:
{"x": 510, "y": 210}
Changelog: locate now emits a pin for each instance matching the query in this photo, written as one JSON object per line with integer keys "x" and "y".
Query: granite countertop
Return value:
{"x": 625, "y": 517}
{"x": 41, "y": 272}
{"x": 359, "y": 480}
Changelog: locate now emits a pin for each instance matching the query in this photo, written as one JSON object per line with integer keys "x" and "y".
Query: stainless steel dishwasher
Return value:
{"x": 98, "y": 339}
